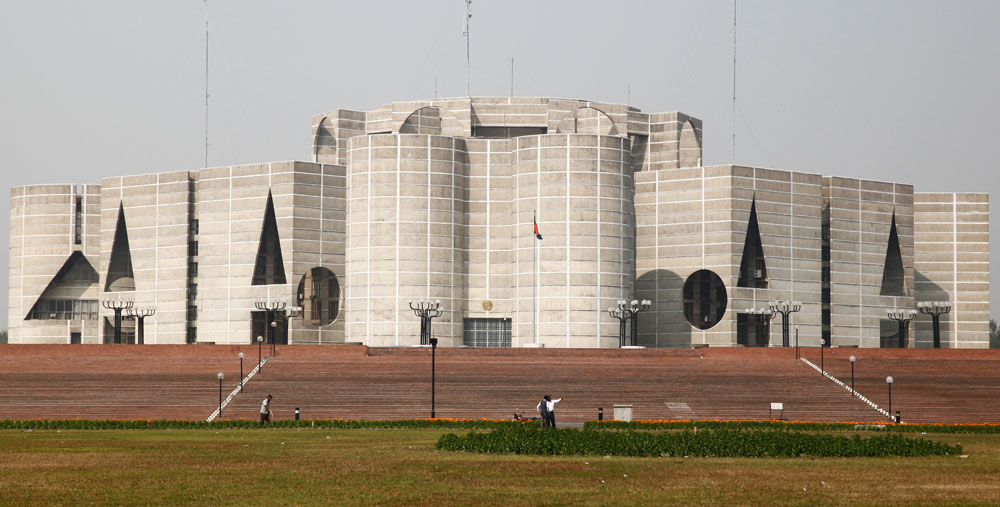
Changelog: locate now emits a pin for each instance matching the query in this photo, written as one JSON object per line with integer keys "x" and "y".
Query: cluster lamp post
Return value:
{"x": 275, "y": 309}
{"x": 903, "y": 317}
{"x": 935, "y": 309}
{"x": 426, "y": 310}
{"x": 221, "y": 376}
{"x": 629, "y": 310}
{"x": 118, "y": 305}
{"x": 622, "y": 317}
{"x": 785, "y": 308}
{"x": 140, "y": 314}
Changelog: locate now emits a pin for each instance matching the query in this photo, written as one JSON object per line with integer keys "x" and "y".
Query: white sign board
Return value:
{"x": 777, "y": 406}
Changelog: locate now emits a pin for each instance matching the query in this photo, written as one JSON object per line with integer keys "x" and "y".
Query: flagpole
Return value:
{"x": 534, "y": 284}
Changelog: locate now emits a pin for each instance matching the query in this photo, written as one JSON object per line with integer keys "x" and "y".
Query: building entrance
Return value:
{"x": 753, "y": 330}
{"x": 279, "y": 332}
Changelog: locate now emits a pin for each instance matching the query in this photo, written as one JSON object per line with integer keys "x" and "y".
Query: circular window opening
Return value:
{"x": 704, "y": 299}
{"x": 319, "y": 296}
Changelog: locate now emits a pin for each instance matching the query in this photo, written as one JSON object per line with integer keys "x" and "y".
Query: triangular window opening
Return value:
{"x": 62, "y": 298}
{"x": 269, "y": 269}
{"x": 892, "y": 271}
{"x": 753, "y": 270}
{"x": 120, "y": 277}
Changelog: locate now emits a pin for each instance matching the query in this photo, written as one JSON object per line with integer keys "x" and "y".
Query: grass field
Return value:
{"x": 401, "y": 467}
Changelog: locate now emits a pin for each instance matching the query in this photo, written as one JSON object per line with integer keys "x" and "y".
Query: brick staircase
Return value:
{"x": 933, "y": 386}
{"x": 116, "y": 381}
{"x": 353, "y": 381}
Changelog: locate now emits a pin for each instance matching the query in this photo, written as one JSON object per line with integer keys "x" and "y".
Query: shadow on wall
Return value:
{"x": 663, "y": 325}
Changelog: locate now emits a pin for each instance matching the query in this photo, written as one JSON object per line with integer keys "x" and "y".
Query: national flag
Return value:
{"x": 537, "y": 234}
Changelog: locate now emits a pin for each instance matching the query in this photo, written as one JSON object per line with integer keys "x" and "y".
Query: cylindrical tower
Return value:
{"x": 405, "y": 222}
{"x": 579, "y": 188}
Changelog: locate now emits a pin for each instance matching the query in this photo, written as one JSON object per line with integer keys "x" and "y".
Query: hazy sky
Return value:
{"x": 897, "y": 91}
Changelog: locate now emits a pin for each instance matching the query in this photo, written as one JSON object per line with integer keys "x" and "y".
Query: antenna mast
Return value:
{"x": 468, "y": 59}
{"x": 206, "y": 83}
{"x": 511, "y": 77}
{"x": 733, "y": 159}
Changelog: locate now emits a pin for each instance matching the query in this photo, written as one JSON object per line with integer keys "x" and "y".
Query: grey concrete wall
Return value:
{"x": 581, "y": 186}
{"x": 156, "y": 216}
{"x": 42, "y": 238}
{"x": 405, "y": 220}
{"x": 860, "y": 218}
{"x": 952, "y": 264}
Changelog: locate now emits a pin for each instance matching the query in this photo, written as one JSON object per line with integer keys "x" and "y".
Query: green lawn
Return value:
{"x": 317, "y": 466}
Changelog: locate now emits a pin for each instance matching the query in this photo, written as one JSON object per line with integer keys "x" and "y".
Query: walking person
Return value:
{"x": 265, "y": 411}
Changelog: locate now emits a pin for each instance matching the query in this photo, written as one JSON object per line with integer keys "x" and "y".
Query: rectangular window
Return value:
{"x": 484, "y": 333}
{"x": 78, "y": 225}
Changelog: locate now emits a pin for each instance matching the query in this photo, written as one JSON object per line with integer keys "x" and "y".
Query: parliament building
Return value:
{"x": 526, "y": 218}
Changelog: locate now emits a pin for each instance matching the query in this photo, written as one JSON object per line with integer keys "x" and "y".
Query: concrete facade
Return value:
{"x": 437, "y": 200}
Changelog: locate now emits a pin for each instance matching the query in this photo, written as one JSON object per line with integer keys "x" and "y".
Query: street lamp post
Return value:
{"x": 241, "y": 372}
{"x": 822, "y": 345}
{"x": 888, "y": 380}
{"x": 426, "y": 310}
{"x": 221, "y": 376}
{"x": 785, "y": 308}
{"x": 140, "y": 314}
{"x": 434, "y": 346}
{"x": 796, "y": 342}
{"x": 118, "y": 305}
{"x": 270, "y": 330}
{"x": 935, "y": 309}
{"x": 903, "y": 317}
{"x": 260, "y": 363}
{"x": 852, "y": 358}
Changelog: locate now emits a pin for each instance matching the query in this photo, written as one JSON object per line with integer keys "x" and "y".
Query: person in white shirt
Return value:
{"x": 265, "y": 410}
{"x": 547, "y": 409}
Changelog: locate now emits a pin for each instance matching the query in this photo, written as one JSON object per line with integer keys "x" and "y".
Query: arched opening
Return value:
{"x": 690, "y": 146}
{"x": 426, "y": 120}
{"x": 705, "y": 299}
{"x": 588, "y": 120}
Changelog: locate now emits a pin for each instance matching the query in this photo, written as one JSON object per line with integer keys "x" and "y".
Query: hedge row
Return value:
{"x": 708, "y": 443}
{"x": 138, "y": 424}
{"x": 770, "y": 424}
